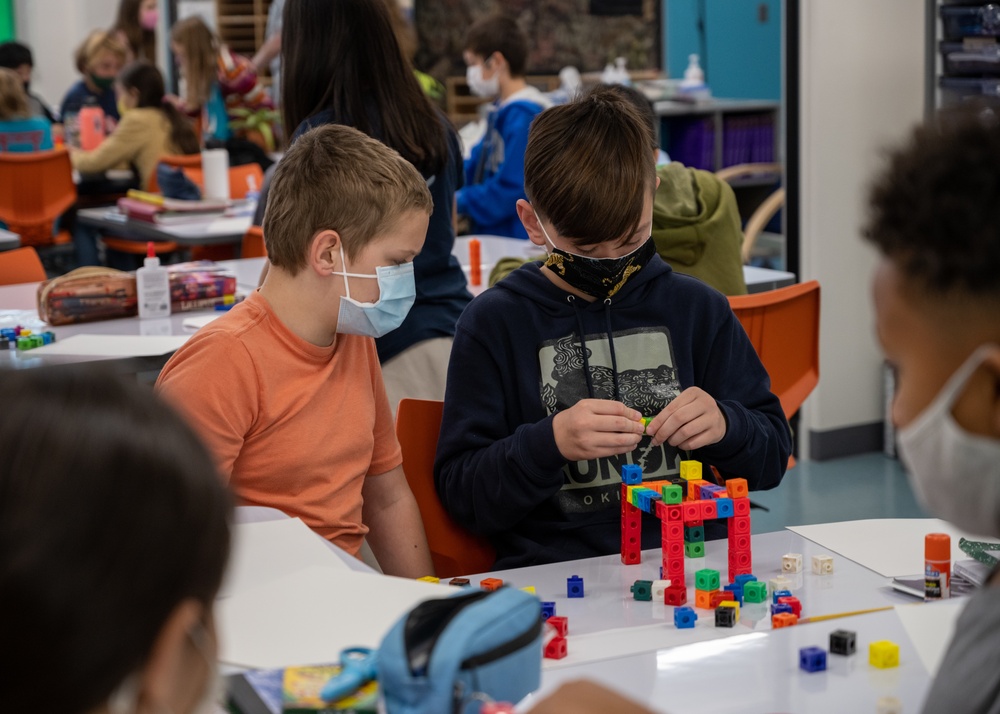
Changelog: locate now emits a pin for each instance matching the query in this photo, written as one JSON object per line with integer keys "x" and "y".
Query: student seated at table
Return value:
{"x": 18, "y": 57}
{"x": 286, "y": 387}
{"x": 935, "y": 218}
{"x": 19, "y": 130}
{"x": 99, "y": 59}
{"x": 553, "y": 369}
{"x": 114, "y": 534}
{"x": 496, "y": 52}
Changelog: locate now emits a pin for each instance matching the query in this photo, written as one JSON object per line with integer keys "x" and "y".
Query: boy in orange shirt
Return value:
{"x": 286, "y": 388}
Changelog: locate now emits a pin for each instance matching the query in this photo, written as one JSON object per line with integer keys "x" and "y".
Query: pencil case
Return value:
{"x": 87, "y": 294}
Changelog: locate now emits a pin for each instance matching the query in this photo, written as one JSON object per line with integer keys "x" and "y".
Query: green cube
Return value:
{"x": 755, "y": 592}
{"x": 642, "y": 590}
{"x": 672, "y": 494}
{"x": 694, "y": 550}
{"x": 694, "y": 534}
{"x": 706, "y": 579}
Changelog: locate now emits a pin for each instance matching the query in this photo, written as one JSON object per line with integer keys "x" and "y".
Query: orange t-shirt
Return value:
{"x": 294, "y": 426}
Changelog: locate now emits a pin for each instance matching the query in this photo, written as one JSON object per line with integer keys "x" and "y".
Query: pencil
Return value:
{"x": 821, "y": 618}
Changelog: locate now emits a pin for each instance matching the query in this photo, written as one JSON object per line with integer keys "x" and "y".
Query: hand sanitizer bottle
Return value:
{"x": 153, "y": 286}
{"x": 694, "y": 77}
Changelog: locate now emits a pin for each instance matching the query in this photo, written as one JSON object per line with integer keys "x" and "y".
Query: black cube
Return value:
{"x": 843, "y": 642}
{"x": 725, "y": 616}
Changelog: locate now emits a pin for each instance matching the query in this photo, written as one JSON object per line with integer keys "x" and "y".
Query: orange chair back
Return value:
{"x": 35, "y": 189}
{"x": 242, "y": 179}
{"x": 783, "y": 326}
{"x": 454, "y": 550}
{"x": 253, "y": 243}
{"x": 21, "y": 265}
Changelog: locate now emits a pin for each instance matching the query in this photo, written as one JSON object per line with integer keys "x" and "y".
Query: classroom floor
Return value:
{"x": 859, "y": 487}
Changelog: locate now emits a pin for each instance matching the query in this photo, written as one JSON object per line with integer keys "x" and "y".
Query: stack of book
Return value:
{"x": 154, "y": 208}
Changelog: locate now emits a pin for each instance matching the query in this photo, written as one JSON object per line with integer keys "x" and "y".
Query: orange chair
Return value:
{"x": 454, "y": 550}
{"x": 35, "y": 189}
{"x": 21, "y": 265}
{"x": 253, "y": 243}
{"x": 184, "y": 161}
{"x": 242, "y": 180}
{"x": 783, "y": 326}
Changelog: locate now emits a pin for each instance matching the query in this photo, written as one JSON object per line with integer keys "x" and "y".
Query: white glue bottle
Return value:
{"x": 153, "y": 286}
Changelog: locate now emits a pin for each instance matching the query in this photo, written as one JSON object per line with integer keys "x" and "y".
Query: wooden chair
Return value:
{"x": 765, "y": 210}
{"x": 454, "y": 550}
{"x": 783, "y": 327}
{"x": 21, "y": 265}
{"x": 35, "y": 189}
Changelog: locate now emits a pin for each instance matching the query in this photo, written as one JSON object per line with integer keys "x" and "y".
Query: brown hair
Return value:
{"x": 147, "y": 81}
{"x": 201, "y": 50}
{"x": 499, "y": 33}
{"x": 588, "y": 167}
{"x": 141, "y": 41}
{"x": 336, "y": 178}
{"x": 98, "y": 41}
{"x": 13, "y": 100}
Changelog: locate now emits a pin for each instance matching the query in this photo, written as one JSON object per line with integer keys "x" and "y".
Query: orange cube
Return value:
{"x": 783, "y": 619}
{"x": 737, "y": 488}
{"x": 703, "y": 599}
{"x": 491, "y": 584}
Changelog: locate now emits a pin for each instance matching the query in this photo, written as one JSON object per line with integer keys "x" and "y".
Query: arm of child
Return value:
{"x": 492, "y": 470}
{"x": 395, "y": 531}
{"x": 585, "y": 697}
{"x": 493, "y": 201}
{"x": 120, "y": 147}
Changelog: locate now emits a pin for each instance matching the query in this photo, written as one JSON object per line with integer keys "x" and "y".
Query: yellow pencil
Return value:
{"x": 821, "y": 618}
{"x": 145, "y": 196}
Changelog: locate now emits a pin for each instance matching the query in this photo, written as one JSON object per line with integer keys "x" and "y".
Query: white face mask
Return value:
{"x": 955, "y": 474}
{"x": 479, "y": 86}
{"x": 397, "y": 293}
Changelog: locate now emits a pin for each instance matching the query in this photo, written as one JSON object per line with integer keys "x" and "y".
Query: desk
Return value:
{"x": 216, "y": 231}
{"x": 493, "y": 248}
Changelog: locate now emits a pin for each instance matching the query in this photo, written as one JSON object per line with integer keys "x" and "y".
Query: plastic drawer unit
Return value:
{"x": 960, "y": 21}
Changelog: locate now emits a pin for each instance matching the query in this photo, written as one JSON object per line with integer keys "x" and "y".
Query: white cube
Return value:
{"x": 791, "y": 563}
{"x": 822, "y": 564}
{"x": 780, "y": 583}
{"x": 659, "y": 586}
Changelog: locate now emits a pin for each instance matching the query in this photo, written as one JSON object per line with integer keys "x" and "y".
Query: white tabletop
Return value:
{"x": 493, "y": 248}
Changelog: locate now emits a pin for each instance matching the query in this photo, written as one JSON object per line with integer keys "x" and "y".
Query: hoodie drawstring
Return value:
{"x": 611, "y": 344}
{"x": 583, "y": 347}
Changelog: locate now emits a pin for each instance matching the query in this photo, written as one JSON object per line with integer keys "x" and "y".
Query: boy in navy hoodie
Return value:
{"x": 495, "y": 55}
{"x": 553, "y": 369}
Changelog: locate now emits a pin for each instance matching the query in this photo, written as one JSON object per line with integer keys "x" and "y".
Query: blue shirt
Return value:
{"x": 34, "y": 134}
{"x": 78, "y": 95}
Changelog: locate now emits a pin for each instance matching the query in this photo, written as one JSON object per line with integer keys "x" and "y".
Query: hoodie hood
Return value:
{"x": 528, "y": 94}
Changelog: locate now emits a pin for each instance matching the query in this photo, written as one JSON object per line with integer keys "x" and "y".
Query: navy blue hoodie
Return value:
{"x": 517, "y": 361}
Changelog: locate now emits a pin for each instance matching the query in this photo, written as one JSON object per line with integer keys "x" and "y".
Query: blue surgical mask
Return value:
{"x": 397, "y": 291}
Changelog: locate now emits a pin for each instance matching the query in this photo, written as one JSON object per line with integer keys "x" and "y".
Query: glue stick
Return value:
{"x": 937, "y": 566}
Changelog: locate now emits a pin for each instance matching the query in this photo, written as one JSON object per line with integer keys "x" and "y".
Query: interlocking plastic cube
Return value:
{"x": 735, "y": 592}
{"x": 530, "y": 589}
{"x": 792, "y": 602}
{"x": 780, "y": 583}
{"x": 742, "y": 580}
{"x": 718, "y": 597}
{"x": 556, "y": 648}
{"x": 642, "y": 590}
{"x": 548, "y": 610}
{"x": 707, "y": 579}
{"x": 724, "y": 507}
{"x": 791, "y": 563}
{"x": 491, "y": 584}
{"x": 733, "y": 604}
{"x": 429, "y": 579}
{"x": 812, "y": 659}
{"x": 659, "y": 588}
{"x": 755, "y": 592}
{"x": 574, "y": 586}
{"x": 783, "y": 619}
{"x": 672, "y": 494}
{"x": 675, "y": 595}
{"x": 843, "y": 642}
{"x": 694, "y": 550}
{"x": 822, "y": 564}
{"x": 684, "y": 618}
{"x": 690, "y": 470}
{"x": 561, "y": 624}
{"x": 631, "y": 474}
{"x": 883, "y": 654}
{"x": 725, "y": 616}
{"x": 780, "y": 594}
{"x": 782, "y": 607}
{"x": 737, "y": 488}
{"x": 694, "y": 534}
{"x": 460, "y": 582}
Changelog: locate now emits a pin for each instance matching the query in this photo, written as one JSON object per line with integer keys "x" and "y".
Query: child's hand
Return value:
{"x": 596, "y": 428}
{"x": 691, "y": 421}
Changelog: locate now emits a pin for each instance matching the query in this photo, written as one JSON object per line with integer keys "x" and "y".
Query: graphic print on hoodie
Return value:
{"x": 642, "y": 384}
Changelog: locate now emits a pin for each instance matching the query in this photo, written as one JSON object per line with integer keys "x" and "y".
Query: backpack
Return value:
{"x": 447, "y": 655}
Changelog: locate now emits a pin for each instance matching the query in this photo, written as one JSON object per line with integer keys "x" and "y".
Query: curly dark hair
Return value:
{"x": 935, "y": 208}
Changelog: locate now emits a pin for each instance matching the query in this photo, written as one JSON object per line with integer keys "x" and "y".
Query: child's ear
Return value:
{"x": 325, "y": 253}
{"x": 530, "y": 221}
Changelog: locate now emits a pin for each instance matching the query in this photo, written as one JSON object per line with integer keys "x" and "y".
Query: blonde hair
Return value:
{"x": 98, "y": 41}
{"x": 13, "y": 100}
{"x": 201, "y": 51}
{"x": 336, "y": 178}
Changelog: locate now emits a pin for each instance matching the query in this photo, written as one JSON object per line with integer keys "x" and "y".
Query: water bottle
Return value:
{"x": 91, "y": 121}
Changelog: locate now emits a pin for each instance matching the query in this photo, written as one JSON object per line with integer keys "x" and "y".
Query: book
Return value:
{"x": 171, "y": 211}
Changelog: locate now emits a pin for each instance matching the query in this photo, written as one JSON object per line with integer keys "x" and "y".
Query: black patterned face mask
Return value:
{"x": 600, "y": 277}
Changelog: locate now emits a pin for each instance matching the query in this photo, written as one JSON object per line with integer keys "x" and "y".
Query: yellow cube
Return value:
{"x": 429, "y": 579}
{"x": 690, "y": 470}
{"x": 883, "y": 654}
{"x": 530, "y": 589}
{"x": 733, "y": 604}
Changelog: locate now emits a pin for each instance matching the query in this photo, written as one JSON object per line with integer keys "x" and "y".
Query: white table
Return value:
{"x": 212, "y": 231}
{"x": 493, "y": 248}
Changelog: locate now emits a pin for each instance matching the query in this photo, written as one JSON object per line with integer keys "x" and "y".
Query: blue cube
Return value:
{"x": 574, "y": 586}
{"x": 779, "y": 608}
{"x": 631, "y": 474}
{"x": 684, "y": 618}
{"x": 742, "y": 580}
{"x": 812, "y": 659}
{"x": 548, "y": 610}
{"x": 736, "y": 591}
{"x": 779, "y": 594}
{"x": 724, "y": 507}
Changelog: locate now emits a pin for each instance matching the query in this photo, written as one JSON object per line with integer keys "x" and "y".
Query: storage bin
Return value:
{"x": 960, "y": 21}
{"x": 956, "y": 60}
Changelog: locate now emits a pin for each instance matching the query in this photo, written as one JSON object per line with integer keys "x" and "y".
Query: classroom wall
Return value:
{"x": 54, "y": 29}
{"x": 861, "y": 88}
{"x": 743, "y": 52}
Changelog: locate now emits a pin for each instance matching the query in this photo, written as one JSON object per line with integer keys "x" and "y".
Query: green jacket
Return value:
{"x": 696, "y": 228}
